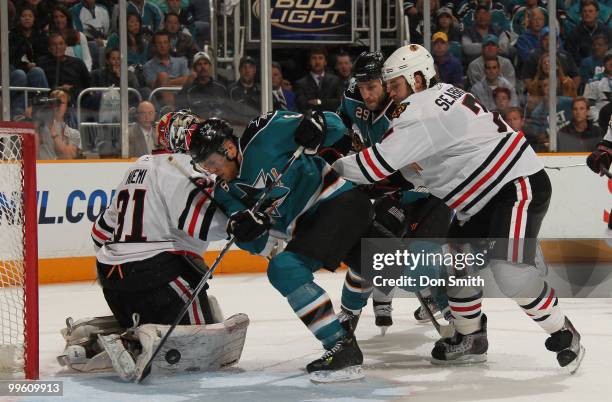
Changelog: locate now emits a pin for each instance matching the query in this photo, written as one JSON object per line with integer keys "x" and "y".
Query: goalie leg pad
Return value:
{"x": 82, "y": 351}
{"x": 193, "y": 347}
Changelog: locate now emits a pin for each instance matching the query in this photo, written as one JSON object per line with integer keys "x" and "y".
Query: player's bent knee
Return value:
{"x": 288, "y": 271}
{"x": 516, "y": 280}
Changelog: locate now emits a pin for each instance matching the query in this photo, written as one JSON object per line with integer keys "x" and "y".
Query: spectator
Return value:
{"x": 151, "y": 17}
{"x": 138, "y": 41}
{"x": 42, "y": 12}
{"x": 185, "y": 15}
{"x": 101, "y": 106}
{"x": 449, "y": 68}
{"x": 92, "y": 19}
{"x": 599, "y": 90}
{"x": 142, "y": 134}
{"x": 344, "y": 67}
{"x": 497, "y": 13}
{"x": 26, "y": 45}
{"x": 64, "y": 71}
{"x": 593, "y": 65}
{"x": 503, "y": 99}
{"x": 472, "y": 40}
{"x": 538, "y": 121}
{"x": 447, "y": 23}
{"x": 203, "y": 92}
{"x": 483, "y": 89}
{"x": 181, "y": 43}
{"x": 56, "y": 140}
{"x": 318, "y": 89}
{"x": 283, "y": 99}
{"x": 581, "y": 135}
{"x": 579, "y": 41}
{"x": 530, "y": 39}
{"x": 76, "y": 42}
{"x": 490, "y": 50}
{"x": 514, "y": 117}
{"x": 164, "y": 70}
{"x": 200, "y": 29}
{"x": 535, "y": 90}
{"x": 520, "y": 20}
{"x": 530, "y": 68}
{"x": 11, "y": 14}
{"x": 109, "y": 75}
{"x": 245, "y": 90}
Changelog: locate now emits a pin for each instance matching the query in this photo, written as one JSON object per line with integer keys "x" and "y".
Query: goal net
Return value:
{"x": 18, "y": 252}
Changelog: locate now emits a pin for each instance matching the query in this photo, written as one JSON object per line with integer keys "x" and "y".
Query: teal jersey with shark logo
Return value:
{"x": 370, "y": 126}
{"x": 266, "y": 146}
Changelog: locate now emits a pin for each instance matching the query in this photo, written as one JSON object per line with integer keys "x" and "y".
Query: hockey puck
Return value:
{"x": 173, "y": 356}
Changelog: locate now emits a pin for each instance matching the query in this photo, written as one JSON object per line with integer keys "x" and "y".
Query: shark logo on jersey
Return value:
{"x": 252, "y": 192}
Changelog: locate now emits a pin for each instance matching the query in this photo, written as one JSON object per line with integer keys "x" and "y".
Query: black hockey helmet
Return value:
{"x": 368, "y": 66}
{"x": 208, "y": 137}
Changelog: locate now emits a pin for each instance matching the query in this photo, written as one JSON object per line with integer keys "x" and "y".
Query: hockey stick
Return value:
{"x": 147, "y": 369}
{"x": 445, "y": 331}
{"x": 196, "y": 183}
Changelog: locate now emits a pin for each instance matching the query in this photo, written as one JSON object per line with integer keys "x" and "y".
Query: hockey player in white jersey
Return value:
{"x": 470, "y": 158}
{"x": 150, "y": 242}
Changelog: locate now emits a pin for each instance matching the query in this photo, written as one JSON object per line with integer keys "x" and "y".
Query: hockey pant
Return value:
{"x": 513, "y": 217}
{"x": 156, "y": 289}
{"x": 427, "y": 219}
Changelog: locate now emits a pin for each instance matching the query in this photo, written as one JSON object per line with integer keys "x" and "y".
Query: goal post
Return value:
{"x": 19, "y": 349}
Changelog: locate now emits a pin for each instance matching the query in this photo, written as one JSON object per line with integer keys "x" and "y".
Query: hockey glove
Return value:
{"x": 311, "y": 132}
{"x": 247, "y": 225}
{"x": 602, "y": 156}
{"x": 390, "y": 215}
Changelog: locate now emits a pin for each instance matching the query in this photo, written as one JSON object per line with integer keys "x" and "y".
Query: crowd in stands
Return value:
{"x": 497, "y": 50}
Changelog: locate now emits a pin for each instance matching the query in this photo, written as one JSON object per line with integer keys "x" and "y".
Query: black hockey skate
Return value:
{"x": 348, "y": 320}
{"x": 462, "y": 349}
{"x": 566, "y": 343}
{"x": 382, "y": 312}
{"x": 340, "y": 363}
{"x": 421, "y": 315}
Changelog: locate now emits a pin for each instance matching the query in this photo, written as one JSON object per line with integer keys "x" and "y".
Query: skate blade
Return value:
{"x": 350, "y": 373}
{"x": 575, "y": 365}
{"x": 461, "y": 361}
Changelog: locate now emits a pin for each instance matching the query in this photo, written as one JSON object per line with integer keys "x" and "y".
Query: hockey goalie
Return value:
{"x": 149, "y": 243}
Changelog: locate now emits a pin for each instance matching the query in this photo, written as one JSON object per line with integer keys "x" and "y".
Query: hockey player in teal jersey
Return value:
{"x": 322, "y": 216}
{"x": 367, "y": 111}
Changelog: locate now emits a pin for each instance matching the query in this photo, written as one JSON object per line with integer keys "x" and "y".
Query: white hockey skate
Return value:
{"x": 566, "y": 343}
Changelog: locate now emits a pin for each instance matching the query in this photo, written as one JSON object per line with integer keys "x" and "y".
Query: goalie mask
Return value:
{"x": 174, "y": 130}
{"x": 207, "y": 138}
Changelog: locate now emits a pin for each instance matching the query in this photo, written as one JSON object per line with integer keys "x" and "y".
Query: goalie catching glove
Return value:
{"x": 247, "y": 225}
{"x": 601, "y": 157}
{"x": 311, "y": 132}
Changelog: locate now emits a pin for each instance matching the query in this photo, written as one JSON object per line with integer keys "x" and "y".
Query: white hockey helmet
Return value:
{"x": 408, "y": 60}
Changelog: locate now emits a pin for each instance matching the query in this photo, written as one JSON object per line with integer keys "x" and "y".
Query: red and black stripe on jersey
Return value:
{"x": 488, "y": 174}
{"x": 101, "y": 232}
{"x": 191, "y": 219}
{"x": 372, "y": 165}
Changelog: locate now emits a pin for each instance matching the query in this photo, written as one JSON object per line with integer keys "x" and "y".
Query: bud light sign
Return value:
{"x": 299, "y": 21}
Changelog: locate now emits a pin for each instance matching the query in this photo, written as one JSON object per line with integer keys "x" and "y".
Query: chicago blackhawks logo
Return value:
{"x": 399, "y": 110}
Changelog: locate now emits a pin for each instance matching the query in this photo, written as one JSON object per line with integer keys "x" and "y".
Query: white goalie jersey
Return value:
{"x": 156, "y": 209}
{"x": 463, "y": 153}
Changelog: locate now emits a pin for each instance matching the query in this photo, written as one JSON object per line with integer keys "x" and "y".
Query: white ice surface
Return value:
{"x": 397, "y": 366}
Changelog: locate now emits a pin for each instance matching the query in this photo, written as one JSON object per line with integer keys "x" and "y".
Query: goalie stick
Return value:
{"x": 147, "y": 369}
